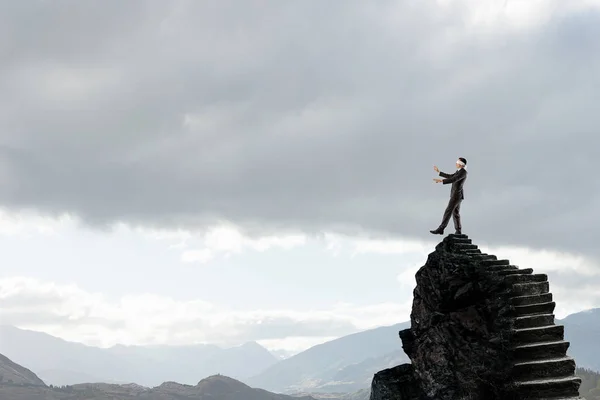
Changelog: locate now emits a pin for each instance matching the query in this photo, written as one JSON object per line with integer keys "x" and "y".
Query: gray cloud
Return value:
{"x": 303, "y": 116}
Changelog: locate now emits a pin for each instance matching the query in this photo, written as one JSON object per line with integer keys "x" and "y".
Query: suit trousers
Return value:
{"x": 453, "y": 210}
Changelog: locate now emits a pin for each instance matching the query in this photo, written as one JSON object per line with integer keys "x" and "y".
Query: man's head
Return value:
{"x": 461, "y": 162}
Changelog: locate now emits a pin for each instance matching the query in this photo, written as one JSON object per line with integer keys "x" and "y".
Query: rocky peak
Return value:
{"x": 481, "y": 328}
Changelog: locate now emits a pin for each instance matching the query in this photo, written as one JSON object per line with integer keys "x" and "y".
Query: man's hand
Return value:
{"x": 436, "y": 169}
{"x": 436, "y": 180}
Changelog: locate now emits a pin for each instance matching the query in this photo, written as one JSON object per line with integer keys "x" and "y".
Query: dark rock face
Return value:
{"x": 398, "y": 383}
{"x": 461, "y": 327}
{"x": 480, "y": 329}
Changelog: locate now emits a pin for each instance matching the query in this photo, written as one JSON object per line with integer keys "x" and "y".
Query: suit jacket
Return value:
{"x": 457, "y": 180}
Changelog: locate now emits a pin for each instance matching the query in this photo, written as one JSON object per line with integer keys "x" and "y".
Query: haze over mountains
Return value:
{"x": 59, "y": 362}
{"x": 344, "y": 365}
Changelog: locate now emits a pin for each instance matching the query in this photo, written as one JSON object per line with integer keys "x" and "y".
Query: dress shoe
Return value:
{"x": 437, "y": 231}
{"x": 458, "y": 233}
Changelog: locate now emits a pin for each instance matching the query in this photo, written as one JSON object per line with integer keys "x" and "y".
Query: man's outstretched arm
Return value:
{"x": 458, "y": 176}
{"x": 443, "y": 174}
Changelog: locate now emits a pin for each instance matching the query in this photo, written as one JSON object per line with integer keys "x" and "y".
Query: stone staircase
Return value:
{"x": 541, "y": 367}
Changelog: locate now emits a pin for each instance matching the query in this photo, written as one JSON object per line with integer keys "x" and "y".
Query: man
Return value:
{"x": 457, "y": 180}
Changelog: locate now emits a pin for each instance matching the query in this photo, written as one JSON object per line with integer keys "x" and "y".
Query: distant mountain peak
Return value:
{"x": 170, "y": 385}
{"x": 590, "y": 311}
{"x": 583, "y": 317}
{"x": 221, "y": 384}
{"x": 245, "y": 345}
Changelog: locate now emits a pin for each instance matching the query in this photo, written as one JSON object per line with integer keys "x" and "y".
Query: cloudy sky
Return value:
{"x": 225, "y": 171}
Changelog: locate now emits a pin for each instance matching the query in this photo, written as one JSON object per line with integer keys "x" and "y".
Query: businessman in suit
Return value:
{"x": 457, "y": 180}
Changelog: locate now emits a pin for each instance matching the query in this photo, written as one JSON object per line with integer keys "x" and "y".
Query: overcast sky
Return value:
{"x": 180, "y": 171}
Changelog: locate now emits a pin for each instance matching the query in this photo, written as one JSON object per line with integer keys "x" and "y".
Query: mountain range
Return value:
{"x": 60, "y": 362}
{"x": 582, "y": 330}
{"x": 344, "y": 365}
{"x": 25, "y": 385}
{"x": 19, "y": 383}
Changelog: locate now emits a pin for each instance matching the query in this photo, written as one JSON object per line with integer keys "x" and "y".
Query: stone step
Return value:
{"x": 501, "y": 267}
{"x": 550, "y": 333}
{"x": 461, "y": 240}
{"x": 465, "y": 246}
{"x": 545, "y": 368}
{"x": 456, "y": 240}
{"x": 548, "y": 388}
{"x": 530, "y": 288}
{"x": 495, "y": 262}
{"x": 489, "y": 257}
{"x": 484, "y": 256}
{"x": 457, "y": 236}
{"x": 540, "y": 350}
{"x": 532, "y": 299}
{"x": 558, "y": 398}
{"x": 526, "y": 278}
{"x": 514, "y": 271}
{"x": 472, "y": 252}
{"x": 564, "y": 398}
{"x": 533, "y": 309}
{"x": 532, "y": 321}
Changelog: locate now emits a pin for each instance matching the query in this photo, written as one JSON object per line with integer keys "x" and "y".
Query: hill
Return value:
{"x": 19, "y": 383}
{"x": 590, "y": 384}
{"x": 346, "y": 364}
{"x": 582, "y": 329}
{"x": 216, "y": 387}
{"x": 12, "y": 373}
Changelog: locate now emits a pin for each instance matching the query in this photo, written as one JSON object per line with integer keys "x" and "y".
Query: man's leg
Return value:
{"x": 456, "y": 217}
{"x": 446, "y": 218}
